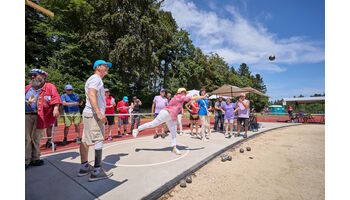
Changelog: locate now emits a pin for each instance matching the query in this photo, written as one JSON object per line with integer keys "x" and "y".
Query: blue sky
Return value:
{"x": 251, "y": 30}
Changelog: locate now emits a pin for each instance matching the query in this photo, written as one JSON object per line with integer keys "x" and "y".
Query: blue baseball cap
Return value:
{"x": 125, "y": 98}
{"x": 68, "y": 87}
{"x": 102, "y": 62}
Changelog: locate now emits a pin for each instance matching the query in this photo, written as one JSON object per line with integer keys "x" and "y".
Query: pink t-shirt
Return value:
{"x": 242, "y": 111}
{"x": 160, "y": 102}
{"x": 175, "y": 105}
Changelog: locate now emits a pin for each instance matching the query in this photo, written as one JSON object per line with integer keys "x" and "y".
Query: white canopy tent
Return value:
{"x": 193, "y": 92}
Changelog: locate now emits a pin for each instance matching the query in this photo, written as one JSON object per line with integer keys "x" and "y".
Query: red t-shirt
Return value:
{"x": 123, "y": 110}
{"x": 108, "y": 103}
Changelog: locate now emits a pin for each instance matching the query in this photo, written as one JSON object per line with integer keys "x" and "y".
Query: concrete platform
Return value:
{"x": 144, "y": 168}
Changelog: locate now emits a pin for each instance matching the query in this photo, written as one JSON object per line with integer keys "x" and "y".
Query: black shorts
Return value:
{"x": 245, "y": 120}
{"x": 195, "y": 117}
{"x": 110, "y": 120}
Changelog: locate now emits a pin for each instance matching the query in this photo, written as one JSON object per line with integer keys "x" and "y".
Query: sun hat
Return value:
{"x": 68, "y": 87}
{"x": 162, "y": 90}
{"x": 102, "y": 62}
{"x": 181, "y": 90}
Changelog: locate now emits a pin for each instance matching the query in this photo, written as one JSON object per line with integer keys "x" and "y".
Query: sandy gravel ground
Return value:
{"x": 287, "y": 163}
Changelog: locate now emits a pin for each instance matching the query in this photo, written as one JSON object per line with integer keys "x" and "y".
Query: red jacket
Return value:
{"x": 47, "y": 99}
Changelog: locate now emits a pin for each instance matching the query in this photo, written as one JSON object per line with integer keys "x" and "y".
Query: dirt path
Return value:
{"x": 288, "y": 163}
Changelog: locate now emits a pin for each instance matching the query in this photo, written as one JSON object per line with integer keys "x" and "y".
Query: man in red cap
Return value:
{"x": 41, "y": 110}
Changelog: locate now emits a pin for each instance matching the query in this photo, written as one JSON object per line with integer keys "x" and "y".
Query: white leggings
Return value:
{"x": 163, "y": 117}
{"x": 179, "y": 121}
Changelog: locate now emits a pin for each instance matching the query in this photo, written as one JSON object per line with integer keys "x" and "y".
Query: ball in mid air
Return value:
{"x": 272, "y": 57}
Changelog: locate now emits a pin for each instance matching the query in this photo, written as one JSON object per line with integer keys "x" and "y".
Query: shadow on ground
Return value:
{"x": 45, "y": 182}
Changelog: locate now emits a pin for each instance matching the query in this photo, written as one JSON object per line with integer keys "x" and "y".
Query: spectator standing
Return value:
{"x": 159, "y": 102}
{"x": 41, "y": 110}
{"x": 123, "y": 119}
{"x": 243, "y": 114}
{"x": 135, "y": 106}
{"x": 168, "y": 96}
{"x": 204, "y": 115}
{"x": 71, "y": 113}
{"x": 219, "y": 116}
{"x": 94, "y": 120}
{"x": 290, "y": 112}
{"x": 110, "y": 107}
{"x": 229, "y": 109}
{"x": 179, "y": 120}
{"x": 165, "y": 127}
{"x": 193, "y": 108}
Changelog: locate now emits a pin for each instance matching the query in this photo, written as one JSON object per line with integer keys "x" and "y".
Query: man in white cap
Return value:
{"x": 71, "y": 113}
{"x": 168, "y": 115}
{"x": 94, "y": 120}
{"x": 243, "y": 114}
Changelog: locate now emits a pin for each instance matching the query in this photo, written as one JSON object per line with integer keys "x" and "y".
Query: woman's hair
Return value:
{"x": 203, "y": 89}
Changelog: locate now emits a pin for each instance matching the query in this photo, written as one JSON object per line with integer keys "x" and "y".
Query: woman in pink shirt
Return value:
{"x": 168, "y": 115}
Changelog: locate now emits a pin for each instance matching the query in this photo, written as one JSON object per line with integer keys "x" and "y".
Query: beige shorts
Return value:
{"x": 94, "y": 129}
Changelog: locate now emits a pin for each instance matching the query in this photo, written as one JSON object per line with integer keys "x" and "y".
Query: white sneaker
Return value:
{"x": 181, "y": 133}
{"x": 135, "y": 132}
{"x": 176, "y": 151}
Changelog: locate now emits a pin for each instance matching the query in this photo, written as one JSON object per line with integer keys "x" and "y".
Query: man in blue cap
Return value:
{"x": 123, "y": 109}
{"x": 70, "y": 103}
{"x": 94, "y": 120}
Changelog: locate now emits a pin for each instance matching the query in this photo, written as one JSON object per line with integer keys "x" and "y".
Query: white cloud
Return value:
{"x": 237, "y": 40}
